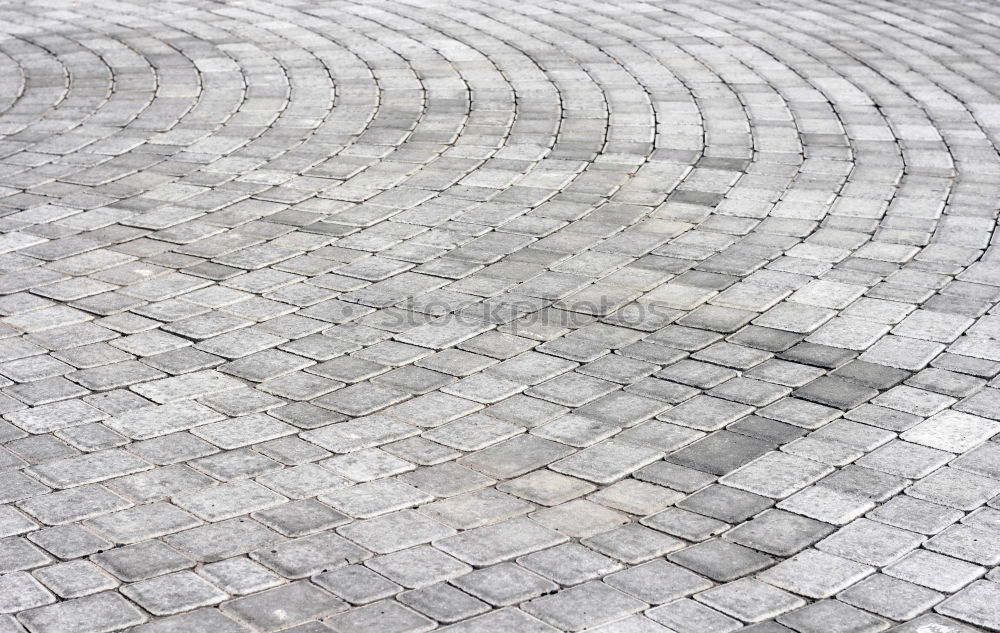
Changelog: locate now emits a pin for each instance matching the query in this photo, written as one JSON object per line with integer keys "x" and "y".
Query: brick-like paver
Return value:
{"x": 393, "y": 316}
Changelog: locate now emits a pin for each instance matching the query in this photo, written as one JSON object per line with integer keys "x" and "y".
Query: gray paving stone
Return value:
{"x": 577, "y": 608}
{"x": 934, "y": 570}
{"x": 945, "y": 624}
{"x": 830, "y": 615}
{"x": 503, "y": 619}
{"x": 21, "y": 592}
{"x": 815, "y": 574}
{"x": 749, "y": 600}
{"x": 357, "y": 584}
{"x": 444, "y": 603}
{"x": 284, "y": 606}
{"x": 720, "y": 560}
{"x": 92, "y": 614}
{"x": 217, "y": 541}
{"x": 606, "y": 461}
{"x": 725, "y": 503}
{"x": 140, "y": 561}
{"x": 239, "y": 576}
{"x": 419, "y": 566}
{"x": 497, "y": 543}
{"x": 173, "y": 593}
{"x": 208, "y": 619}
{"x": 688, "y": 616}
{"x": 309, "y": 555}
{"x": 504, "y": 584}
{"x": 494, "y": 279}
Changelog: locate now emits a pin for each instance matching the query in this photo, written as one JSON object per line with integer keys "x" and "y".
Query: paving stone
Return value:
{"x": 284, "y": 606}
{"x": 749, "y": 600}
{"x": 976, "y": 604}
{"x": 73, "y": 504}
{"x": 374, "y": 498}
{"x": 915, "y": 515}
{"x": 686, "y": 616}
{"x": 228, "y": 500}
{"x": 815, "y": 574}
{"x": 419, "y": 566}
{"x": 208, "y": 619}
{"x": 890, "y": 597}
{"x": 952, "y": 431}
{"x": 173, "y": 593}
{"x": 100, "y": 612}
{"x": 447, "y": 480}
{"x": 633, "y": 543}
{"x": 142, "y": 522}
{"x": 955, "y": 488}
{"x": 720, "y": 560}
{"x": 720, "y": 453}
{"x": 356, "y": 584}
{"x": 68, "y": 541}
{"x": 239, "y": 576}
{"x": 444, "y": 603}
{"x": 497, "y": 543}
{"x": 947, "y": 625}
{"x": 871, "y": 543}
{"x": 779, "y": 533}
{"x": 546, "y": 487}
{"x": 218, "y": 541}
{"x": 658, "y": 582}
{"x": 476, "y": 509}
{"x": 309, "y": 555}
{"x": 21, "y": 592}
{"x": 504, "y": 584}
{"x": 938, "y": 572}
{"x": 612, "y": 290}
{"x": 776, "y": 475}
{"x": 576, "y": 609}
{"x": 606, "y": 461}
{"x": 830, "y": 615}
{"x": 865, "y": 482}
{"x": 142, "y": 560}
{"x": 503, "y": 619}
{"x": 725, "y": 503}
{"x": 967, "y": 543}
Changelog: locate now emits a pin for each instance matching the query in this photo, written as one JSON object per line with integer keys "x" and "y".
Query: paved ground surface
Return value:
{"x": 499, "y": 317}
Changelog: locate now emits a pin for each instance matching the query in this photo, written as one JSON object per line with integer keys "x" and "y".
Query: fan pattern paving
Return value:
{"x": 490, "y": 317}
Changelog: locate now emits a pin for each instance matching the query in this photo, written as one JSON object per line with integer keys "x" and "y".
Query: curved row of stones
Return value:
{"x": 483, "y": 317}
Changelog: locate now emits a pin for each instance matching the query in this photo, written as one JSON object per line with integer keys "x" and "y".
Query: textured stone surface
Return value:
{"x": 398, "y": 316}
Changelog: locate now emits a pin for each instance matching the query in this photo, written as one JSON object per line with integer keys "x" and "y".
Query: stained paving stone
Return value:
{"x": 284, "y": 606}
{"x": 584, "y": 606}
{"x": 504, "y": 584}
{"x": 400, "y": 298}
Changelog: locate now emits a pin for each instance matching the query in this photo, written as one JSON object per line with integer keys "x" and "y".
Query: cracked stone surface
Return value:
{"x": 393, "y": 316}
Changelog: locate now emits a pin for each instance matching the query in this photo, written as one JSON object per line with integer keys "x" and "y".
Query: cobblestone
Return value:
{"x": 391, "y": 317}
